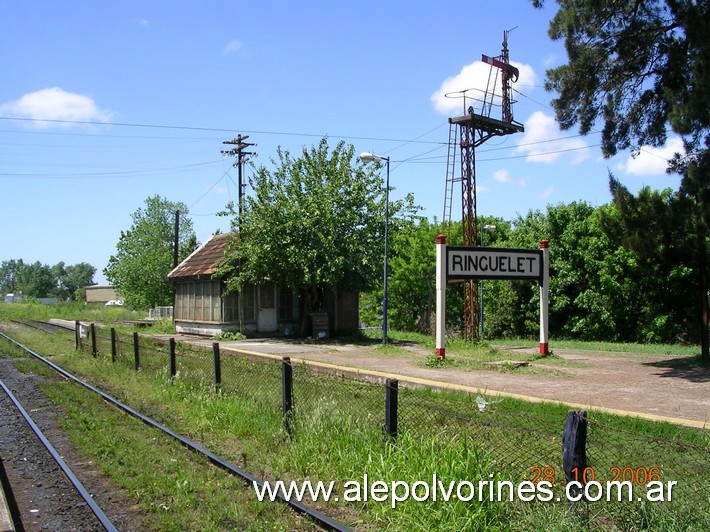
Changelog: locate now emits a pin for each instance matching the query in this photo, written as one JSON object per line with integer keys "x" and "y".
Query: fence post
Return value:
{"x": 92, "y": 329}
{"x": 391, "y": 395}
{"x": 173, "y": 370}
{"x": 77, "y": 334}
{"x": 574, "y": 451}
{"x": 113, "y": 344}
{"x": 136, "y": 351}
{"x": 287, "y": 392}
{"x": 217, "y": 366}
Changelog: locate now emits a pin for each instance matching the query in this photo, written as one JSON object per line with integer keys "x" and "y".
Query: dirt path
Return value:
{"x": 658, "y": 385}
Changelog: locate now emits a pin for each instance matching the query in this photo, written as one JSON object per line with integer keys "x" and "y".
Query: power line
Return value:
{"x": 218, "y": 130}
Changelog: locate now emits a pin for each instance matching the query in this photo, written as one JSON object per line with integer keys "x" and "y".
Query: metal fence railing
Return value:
{"x": 526, "y": 446}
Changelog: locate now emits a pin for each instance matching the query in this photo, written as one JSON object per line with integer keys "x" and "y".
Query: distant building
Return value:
{"x": 203, "y": 307}
{"x": 100, "y": 294}
{"x": 17, "y": 298}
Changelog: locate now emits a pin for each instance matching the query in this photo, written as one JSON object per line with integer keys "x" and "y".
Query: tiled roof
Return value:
{"x": 202, "y": 261}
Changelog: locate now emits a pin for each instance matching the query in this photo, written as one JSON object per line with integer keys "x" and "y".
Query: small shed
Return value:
{"x": 202, "y": 305}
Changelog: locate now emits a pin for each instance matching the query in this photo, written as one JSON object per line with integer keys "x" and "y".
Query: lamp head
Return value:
{"x": 367, "y": 157}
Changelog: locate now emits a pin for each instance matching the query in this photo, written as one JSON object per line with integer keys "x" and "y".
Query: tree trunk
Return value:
{"x": 703, "y": 278}
{"x": 311, "y": 303}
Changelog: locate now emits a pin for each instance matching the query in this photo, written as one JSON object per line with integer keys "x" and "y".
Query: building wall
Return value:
{"x": 201, "y": 308}
{"x": 100, "y": 294}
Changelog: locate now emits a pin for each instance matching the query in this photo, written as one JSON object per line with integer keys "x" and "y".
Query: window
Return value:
{"x": 249, "y": 302}
{"x": 230, "y": 308}
{"x": 216, "y": 302}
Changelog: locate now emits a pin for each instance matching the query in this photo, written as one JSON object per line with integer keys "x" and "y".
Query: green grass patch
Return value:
{"x": 337, "y": 435}
{"x": 609, "y": 347}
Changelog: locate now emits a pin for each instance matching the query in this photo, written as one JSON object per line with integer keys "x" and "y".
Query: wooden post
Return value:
{"x": 92, "y": 329}
{"x": 113, "y": 344}
{"x": 217, "y": 366}
{"x": 136, "y": 353}
{"x": 173, "y": 369}
{"x": 391, "y": 401}
{"x": 441, "y": 297}
{"x": 77, "y": 334}
{"x": 544, "y": 295}
{"x": 574, "y": 451}
{"x": 287, "y": 393}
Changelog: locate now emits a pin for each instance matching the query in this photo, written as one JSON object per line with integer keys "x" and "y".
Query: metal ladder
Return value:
{"x": 450, "y": 179}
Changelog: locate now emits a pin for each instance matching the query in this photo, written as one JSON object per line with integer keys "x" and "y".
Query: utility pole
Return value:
{"x": 242, "y": 156}
{"x": 240, "y": 145}
{"x": 176, "y": 239}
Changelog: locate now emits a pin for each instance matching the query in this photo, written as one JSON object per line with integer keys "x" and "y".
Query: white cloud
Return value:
{"x": 55, "y": 104}
{"x": 501, "y": 176}
{"x": 232, "y": 47}
{"x": 545, "y": 194}
{"x": 543, "y": 142}
{"x": 144, "y": 22}
{"x": 474, "y": 77}
{"x": 652, "y": 161}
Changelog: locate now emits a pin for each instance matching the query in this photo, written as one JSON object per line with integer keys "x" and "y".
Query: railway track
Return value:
{"x": 22, "y": 516}
{"x": 318, "y": 518}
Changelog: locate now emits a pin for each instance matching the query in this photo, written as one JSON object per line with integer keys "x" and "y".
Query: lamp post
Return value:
{"x": 367, "y": 157}
{"x": 486, "y": 227}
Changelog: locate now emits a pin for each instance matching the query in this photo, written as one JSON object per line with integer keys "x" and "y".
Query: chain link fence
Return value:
{"x": 525, "y": 446}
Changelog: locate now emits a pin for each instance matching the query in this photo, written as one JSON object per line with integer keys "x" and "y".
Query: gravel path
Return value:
{"x": 41, "y": 493}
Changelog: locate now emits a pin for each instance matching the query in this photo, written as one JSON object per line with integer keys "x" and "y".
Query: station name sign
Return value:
{"x": 493, "y": 263}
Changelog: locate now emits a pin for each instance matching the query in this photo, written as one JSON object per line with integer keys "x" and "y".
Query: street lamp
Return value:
{"x": 486, "y": 227}
{"x": 367, "y": 157}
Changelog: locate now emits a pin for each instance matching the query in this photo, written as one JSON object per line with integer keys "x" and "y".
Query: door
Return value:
{"x": 266, "y": 319}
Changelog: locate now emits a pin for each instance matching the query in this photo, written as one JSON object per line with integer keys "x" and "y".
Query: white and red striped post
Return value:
{"x": 544, "y": 285}
{"x": 441, "y": 296}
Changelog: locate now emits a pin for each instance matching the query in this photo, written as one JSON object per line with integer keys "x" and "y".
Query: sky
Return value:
{"x": 103, "y": 105}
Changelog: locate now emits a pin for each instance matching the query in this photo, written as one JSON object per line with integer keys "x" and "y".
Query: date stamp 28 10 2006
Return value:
{"x": 619, "y": 485}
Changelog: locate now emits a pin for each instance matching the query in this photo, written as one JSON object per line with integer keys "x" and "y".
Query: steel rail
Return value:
{"x": 95, "y": 508}
{"x": 317, "y": 517}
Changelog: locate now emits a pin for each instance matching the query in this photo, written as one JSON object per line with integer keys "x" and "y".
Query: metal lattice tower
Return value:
{"x": 469, "y": 131}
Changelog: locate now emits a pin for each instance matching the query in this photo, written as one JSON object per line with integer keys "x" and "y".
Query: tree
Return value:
{"x": 411, "y": 289}
{"x": 71, "y": 279}
{"x": 314, "y": 222}
{"x": 657, "y": 227}
{"x": 144, "y": 253}
{"x": 8, "y": 275}
{"x": 643, "y": 68}
{"x": 35, "y": 280}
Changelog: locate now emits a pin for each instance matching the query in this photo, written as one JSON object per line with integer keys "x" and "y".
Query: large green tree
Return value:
{"x": 144, "y": 253}
{"x": 657, "y": 228}
{"x": 71, "y": 279}
{"x": 8, "y": 275}
{"x": 36, "y": 280}
{"x": 642, "y": 68}
{"x": 313, "y": 222}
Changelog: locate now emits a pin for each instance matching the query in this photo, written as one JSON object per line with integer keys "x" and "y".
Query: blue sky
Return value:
{"x": 140, "y": 96}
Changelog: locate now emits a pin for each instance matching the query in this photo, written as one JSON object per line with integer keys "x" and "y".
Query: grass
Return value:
{"x": 610, "y": 347}
{"x": 68, "y": 311}
{"x": 337, "y": 436}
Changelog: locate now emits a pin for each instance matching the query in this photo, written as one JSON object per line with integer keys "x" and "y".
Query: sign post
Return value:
{"x": 493, "y": 263}
{"x": 457, "y": 263}
{"x": 441, "y": 297}
{"x": 544, "y": 247}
